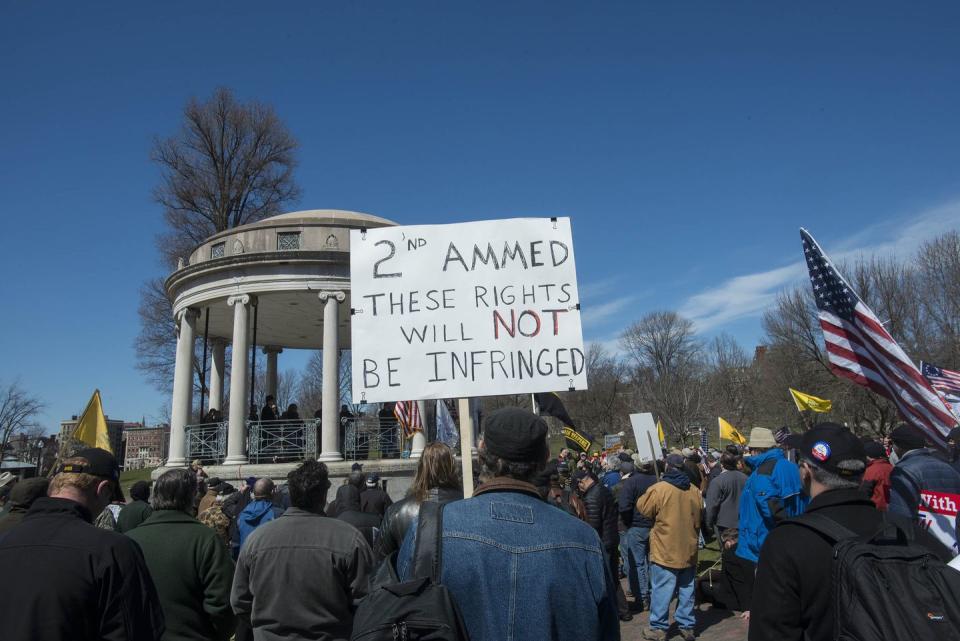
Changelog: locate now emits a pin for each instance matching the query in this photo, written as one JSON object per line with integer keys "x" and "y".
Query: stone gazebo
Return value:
{"x": 282, "y": 282}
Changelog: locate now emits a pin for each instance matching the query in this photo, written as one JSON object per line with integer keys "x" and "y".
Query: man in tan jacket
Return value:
{"x": 675, "y": 507}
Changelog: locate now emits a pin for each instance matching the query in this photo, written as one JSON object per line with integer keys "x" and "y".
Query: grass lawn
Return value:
{"x": 129, "y": 477}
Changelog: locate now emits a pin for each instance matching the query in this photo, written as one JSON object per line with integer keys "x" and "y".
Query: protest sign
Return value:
{"x": 645, "y": 431}
{"x": 467, "y": 309}
{"x": 609, "y": 440}
{"x": 938, "y": 514}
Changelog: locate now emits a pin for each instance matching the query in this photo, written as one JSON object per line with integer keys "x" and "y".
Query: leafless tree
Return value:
{"x": 311, "y": 383}
{"x": 230, "y": 164}
{"x": 18, "y": 412}
{"x": 604, "y": 407}
{"x": 668, "y": 362}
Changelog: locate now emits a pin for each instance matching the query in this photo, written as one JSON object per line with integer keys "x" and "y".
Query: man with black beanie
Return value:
{"x": 918, "y": 472}
{"x": 518, "y": 567}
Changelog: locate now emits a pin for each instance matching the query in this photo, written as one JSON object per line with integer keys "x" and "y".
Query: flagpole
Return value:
{"x": 466, "y": 445}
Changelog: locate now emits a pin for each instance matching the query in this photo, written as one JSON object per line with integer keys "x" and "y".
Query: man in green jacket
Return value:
{"x": 190, "y": 566}
{"x": 136, "y": 511}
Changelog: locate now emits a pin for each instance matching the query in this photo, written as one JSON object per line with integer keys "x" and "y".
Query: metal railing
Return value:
{"x": 370, "y": 437}
{"x": 281, "y": 441}
{"x": 207, "y": 442}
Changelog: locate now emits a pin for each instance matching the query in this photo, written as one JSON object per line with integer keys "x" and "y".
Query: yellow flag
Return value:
{"x": 663, "y": 439}
{"x": 807, "y": 402}
{"x": 730, "y": 433}
{"x": 92, "y": 427}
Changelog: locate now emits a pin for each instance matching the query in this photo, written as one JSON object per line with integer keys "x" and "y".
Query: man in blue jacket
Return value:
{"x": 773, "y": 492}
{"x": 919, "y": 474}
{"x": 518, "y": 567}
{"x": 259, "y": 511}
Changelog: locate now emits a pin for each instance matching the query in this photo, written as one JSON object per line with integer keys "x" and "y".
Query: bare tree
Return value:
{"x": 230, "y": 164}
{"x": 668, "y": 363}
{"x": 18, "y": 413}
{"x": 311, "y": 382}
{"x": 604, "y": 407}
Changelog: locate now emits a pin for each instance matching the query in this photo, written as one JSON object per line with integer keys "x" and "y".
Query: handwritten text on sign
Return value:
{"x": 468, "y": 309}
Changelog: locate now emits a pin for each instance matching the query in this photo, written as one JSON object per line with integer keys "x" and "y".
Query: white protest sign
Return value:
{"x": 467, "y": 309}
{"x": 643, "y": 426}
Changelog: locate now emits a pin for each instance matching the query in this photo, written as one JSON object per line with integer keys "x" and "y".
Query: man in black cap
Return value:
{"x": 74, "y": 581}
{"x": 22, "y": 496}
{"x": 919, "y": 472}
{"x": 602, "y": 515}
{"x": 517, "y": 567}
{"x": 373, "y": 498}
{"x": 792, "y": 599}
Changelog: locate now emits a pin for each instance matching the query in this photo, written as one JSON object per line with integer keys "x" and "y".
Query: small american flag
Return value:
{"x": 408, "y": 415}
{"x": 943, "y": 380}
{"x": 861, "y": 350}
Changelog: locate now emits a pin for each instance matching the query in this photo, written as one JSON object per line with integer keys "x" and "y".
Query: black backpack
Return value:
{"x": 420, "y": 609}
{"x": 887, "y": 587}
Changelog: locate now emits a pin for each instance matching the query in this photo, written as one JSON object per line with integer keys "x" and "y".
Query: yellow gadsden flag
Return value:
{"x": 730, "y": 433}
{"x": 807, "y": 402}
{"x": 660, "y": 435}
{"x": 92, "y": 427}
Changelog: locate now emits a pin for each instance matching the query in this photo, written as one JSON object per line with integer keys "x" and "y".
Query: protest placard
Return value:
{"x": 466, "y": 309}
{"x": 938, "y": 514}
{"x": 645, "y": 431}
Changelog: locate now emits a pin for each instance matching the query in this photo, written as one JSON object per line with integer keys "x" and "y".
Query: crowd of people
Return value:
{"x": 536, "y": 553}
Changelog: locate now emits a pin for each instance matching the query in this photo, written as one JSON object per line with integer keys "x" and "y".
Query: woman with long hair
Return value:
{"x": 437, "y": 479}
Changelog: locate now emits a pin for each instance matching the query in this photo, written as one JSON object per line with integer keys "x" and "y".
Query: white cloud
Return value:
{"x": 596, "y": 314}
{"x": 748, "y": 295}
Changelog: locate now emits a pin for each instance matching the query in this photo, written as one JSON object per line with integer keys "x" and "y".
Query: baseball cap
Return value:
{"x": 834, "y": 448}
{"x": 675, "y": 460}
{"x": 373, "y": 479}
{"x": 874, "y": 450}
{"x": 99, "y": 463}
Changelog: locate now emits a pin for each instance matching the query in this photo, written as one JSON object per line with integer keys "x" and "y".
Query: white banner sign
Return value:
{"x": 645, "y": 431}
{"x": 468, "y": 309}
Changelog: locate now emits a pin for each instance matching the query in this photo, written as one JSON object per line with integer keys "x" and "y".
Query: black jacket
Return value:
{"x": 74, "y": 581}
{"x": 791, "y": 598}
{"x": 375, "y": 501}
{"x": 348, "y": 510}
{"x": 400, "y": 516}
{"x": 602, "y": 514}
{"x": 630, "y": 490}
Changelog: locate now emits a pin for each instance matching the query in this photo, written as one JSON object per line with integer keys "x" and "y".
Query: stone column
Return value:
{"x": 216, "y": 374}
{"x": 182, "y": 388}
{"x": 239, "y": 380}
{"x": 419, "y": 440}
{"x": 330, "y": 428}
{"x": 271, "y": 353}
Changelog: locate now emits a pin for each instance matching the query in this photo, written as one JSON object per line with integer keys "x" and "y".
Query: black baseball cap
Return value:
{"x": 99, "y": 463}
{"x": 829, "y": 445}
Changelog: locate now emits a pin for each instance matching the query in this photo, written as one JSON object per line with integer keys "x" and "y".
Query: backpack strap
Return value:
{"x": 766, "y": 468}
{"x": 824, "y": 525}
{"x": 428, "y": 546}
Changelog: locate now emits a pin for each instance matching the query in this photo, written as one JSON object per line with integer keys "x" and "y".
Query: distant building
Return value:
{"x": 69, "y": 445}
{"x": 146, "y": 446}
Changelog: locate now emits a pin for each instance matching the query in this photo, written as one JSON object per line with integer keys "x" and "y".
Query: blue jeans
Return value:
{"x": 636, "y": 544}
{"x": 665, "y": 582}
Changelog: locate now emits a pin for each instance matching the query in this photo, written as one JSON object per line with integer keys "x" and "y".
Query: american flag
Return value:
{"x": 704, "y": 445}
{"x": 944, "y": 380}
{"x": 860, "y": 349}
{"x": 408, "y": 415}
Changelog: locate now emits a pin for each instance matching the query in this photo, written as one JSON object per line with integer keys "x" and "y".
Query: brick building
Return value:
{"x": 146, "y": 446}
{"x": 70, "y": 445}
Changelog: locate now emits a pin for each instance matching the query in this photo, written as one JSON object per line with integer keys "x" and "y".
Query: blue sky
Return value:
{"x": 688, "y": 142}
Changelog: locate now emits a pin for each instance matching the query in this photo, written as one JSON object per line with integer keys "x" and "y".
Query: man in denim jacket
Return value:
{"x": 518, "y": 567}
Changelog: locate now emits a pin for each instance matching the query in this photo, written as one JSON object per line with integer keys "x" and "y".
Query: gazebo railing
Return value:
{"x": 370, "y": 437}
{"x": 207, "y": 442}
{"x": 281, "y": 441}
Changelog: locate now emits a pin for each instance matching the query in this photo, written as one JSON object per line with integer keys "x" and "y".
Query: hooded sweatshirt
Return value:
{"x": 348, "y": 510}
{"x": 254, "y": 515}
